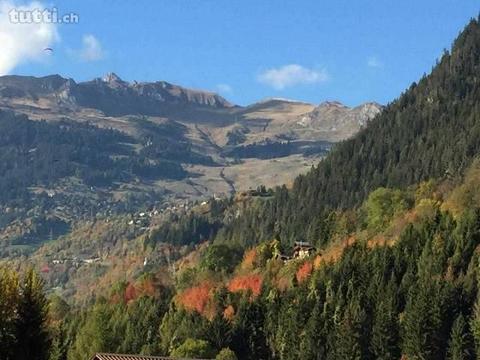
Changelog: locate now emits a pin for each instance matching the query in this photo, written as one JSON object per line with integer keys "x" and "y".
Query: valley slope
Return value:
{"x": 77, "y": 151}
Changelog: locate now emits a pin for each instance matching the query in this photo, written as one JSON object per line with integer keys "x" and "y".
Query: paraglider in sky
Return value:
{"x": 48, "y": 49}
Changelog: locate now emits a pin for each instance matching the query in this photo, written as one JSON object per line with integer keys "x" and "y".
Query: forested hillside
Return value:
{"x": 398, "y": 281}
{"x": 41, "y": 153}
{"x": 431, "y": 131}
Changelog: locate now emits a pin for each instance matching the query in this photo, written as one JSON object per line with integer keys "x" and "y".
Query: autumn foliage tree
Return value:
{"x": 304, "y": 271}
{"x": 252, "y": 283}
{"x": 196, "y": 298}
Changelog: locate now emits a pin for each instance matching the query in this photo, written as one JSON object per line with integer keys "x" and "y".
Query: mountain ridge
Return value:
{"x": 108, "y": 94}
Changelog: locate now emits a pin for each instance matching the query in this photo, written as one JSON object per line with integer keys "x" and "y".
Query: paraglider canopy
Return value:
{"x": 48, "y": 49}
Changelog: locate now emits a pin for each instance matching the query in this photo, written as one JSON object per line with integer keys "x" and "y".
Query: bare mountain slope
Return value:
{"x": 221, "y": 147}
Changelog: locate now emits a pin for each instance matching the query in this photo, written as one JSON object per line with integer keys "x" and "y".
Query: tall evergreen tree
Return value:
{"x": 33, "y": 338}
{"x": 460, "y": 346}
{"x": 475, "y": 326}
{"x": 385, "y": 331}
{"x": 8, "y": 304}
{"x": 350, "y": 334}
{"x": 422, "y": 324}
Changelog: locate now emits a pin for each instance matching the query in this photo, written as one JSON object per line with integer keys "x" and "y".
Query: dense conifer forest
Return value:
{"x": 39, "y": 153}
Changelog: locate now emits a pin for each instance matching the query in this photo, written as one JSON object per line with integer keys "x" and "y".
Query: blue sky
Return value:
{"x": 352, "y": 51}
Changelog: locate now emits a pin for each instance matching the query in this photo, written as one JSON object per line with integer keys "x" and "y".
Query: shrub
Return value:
{"x": 193, "y": 348}
{"x": 226, "y": 354}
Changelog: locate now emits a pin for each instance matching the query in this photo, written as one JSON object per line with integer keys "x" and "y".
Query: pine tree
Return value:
{"x": 58, "y": 349}
{"x": 96, "y": 334}
{"x": 459, "y": 346}
{"x": 385, "y": 333}
{"x": 248, "y": 339}
{"x": 475, "y": 326}
{"x": 33, "y": 338}
{"x": 422, "y": 323}
{"x": 9, "y": 293}
{"x": 349, "y": 333}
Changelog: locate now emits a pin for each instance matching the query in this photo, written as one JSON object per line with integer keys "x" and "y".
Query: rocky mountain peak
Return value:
{"x": 333, "y": 117}
{"x": 331, "y": 104}
{"x": 111, "y": 77}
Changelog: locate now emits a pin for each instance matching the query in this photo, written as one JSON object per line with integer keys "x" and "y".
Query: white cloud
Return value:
{"x": 374, "y": 62}
{"x": 291, "y": 75}
{"x": 23, "y": 42}
{"x": 224, "y": 89}
{"x": 91, "y": 50}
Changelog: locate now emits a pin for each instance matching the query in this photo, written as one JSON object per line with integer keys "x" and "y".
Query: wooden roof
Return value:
{"x": 126, "y": 357}
{"x": 101, "y": 356}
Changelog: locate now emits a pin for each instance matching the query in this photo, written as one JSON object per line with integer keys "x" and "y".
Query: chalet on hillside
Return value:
{"x": 102, "y": 356}
{"x": 302, "y": 250}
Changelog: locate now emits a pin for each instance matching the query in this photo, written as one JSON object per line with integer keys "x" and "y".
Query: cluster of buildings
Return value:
{"x": 142, "y": 218}
{"x": 76, "y": 261}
